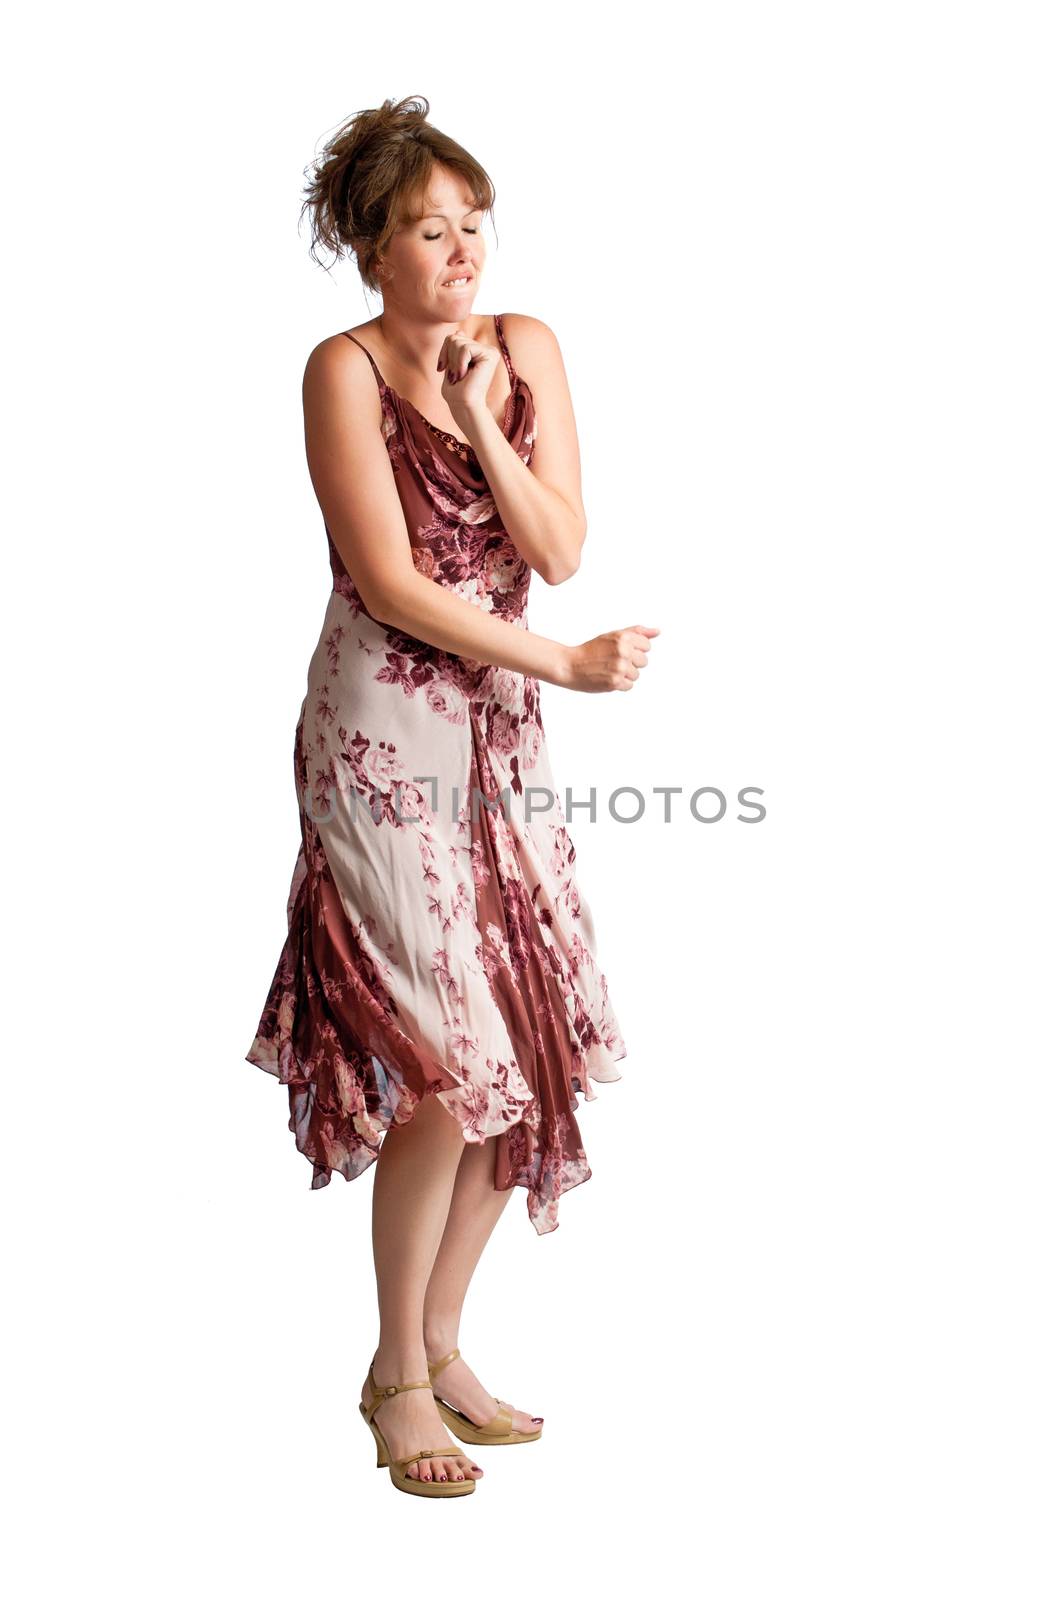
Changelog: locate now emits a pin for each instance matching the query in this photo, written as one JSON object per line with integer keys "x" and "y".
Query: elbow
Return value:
{"x": 566, "y": 566}
{"x": 558, "y": 571}
{"x": 385, "y": 606}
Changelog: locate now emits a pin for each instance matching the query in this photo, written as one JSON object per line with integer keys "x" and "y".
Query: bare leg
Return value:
{"x": 475, "y": 1207}
{"x": 412, "y": 1187}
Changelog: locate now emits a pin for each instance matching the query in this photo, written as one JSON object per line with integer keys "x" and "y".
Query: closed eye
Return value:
{"x": 439, "y": 235}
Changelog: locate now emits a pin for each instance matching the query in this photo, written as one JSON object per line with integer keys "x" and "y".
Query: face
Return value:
{"x": 424, "y": 256}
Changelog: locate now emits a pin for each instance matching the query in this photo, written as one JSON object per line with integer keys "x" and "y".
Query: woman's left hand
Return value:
{"x": 468, "y": 368}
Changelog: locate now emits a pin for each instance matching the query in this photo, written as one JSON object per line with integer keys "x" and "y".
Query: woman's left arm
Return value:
{"x": 541, "y": 505}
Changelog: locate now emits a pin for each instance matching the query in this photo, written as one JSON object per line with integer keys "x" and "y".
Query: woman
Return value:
{"x": 437, "y": 1004}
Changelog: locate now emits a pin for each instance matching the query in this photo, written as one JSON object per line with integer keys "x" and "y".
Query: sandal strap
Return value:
{"x": 436, "y": 1367}
{"x": 501, "y": 1422}
{"x": 384, "y": 1392}
{"x": 426, "y": 1455}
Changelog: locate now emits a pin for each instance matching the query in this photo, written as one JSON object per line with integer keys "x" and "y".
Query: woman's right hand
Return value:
{"x": 610, "y": 661}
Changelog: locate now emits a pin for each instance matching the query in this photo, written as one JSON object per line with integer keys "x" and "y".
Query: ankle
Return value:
{"x": 399, "y": 1360}
{"x": 440, "y": 1337}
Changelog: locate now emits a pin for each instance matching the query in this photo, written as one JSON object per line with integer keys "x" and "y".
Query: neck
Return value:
{"x": 415, "y": 346}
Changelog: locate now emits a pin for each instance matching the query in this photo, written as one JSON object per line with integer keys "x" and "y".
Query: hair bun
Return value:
{"x": 373, "y": 174}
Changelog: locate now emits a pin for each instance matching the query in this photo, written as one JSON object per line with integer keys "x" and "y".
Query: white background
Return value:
{"x": 800, "y": 1333}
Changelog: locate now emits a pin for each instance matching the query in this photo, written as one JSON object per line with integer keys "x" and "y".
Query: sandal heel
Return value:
{"x": 381, "y": 1447}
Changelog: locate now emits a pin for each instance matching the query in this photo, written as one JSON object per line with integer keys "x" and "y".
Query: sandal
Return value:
{"x": 445, "y": 1489}
{"x": 499, "y": 1430}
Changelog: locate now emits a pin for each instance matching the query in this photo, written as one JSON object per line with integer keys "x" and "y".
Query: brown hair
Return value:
{"x": 372, "y": 177}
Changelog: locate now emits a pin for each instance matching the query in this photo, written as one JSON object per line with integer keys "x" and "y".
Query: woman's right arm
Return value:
{"x": 354, "y": 482}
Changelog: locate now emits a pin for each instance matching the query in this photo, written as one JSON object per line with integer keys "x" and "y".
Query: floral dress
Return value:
{"x": 437, "y": 942}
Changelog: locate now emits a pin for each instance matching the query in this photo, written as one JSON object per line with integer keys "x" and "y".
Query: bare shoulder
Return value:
{"x": 529, "y": 336}
{"x": 337, "y": 353}
{"x": 338, "y": 374}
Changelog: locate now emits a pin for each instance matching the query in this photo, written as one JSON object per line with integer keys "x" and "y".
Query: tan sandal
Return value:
{"x": 445, "y": 1489}
{"x": 499, "y": 1430}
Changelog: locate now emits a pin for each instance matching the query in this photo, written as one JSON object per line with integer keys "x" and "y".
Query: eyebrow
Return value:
{"x": 428, "y": 215}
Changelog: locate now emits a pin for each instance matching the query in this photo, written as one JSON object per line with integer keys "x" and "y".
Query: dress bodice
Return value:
{"x": 456, "y": 533}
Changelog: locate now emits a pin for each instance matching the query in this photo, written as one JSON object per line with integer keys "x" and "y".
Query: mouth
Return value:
{"x": 462, "y": 282}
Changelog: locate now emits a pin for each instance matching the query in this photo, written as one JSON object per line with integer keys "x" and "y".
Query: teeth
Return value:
{"x": 452, "y": 281}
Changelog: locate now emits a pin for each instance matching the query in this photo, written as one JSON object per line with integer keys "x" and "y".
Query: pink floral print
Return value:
{"x": 437, "y": 942}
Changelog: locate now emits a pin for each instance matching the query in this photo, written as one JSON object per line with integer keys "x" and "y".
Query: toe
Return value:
{"x": 522, "y": 1422}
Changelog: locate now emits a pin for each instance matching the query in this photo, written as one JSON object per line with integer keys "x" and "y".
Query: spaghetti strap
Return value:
{"x": 505, "y": 350}
{"x": 380, "y": 382}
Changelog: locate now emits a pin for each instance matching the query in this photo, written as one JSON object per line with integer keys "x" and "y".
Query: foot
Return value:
{"x": 459, "y": 1386}
{"x": 410, "y": 1422}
